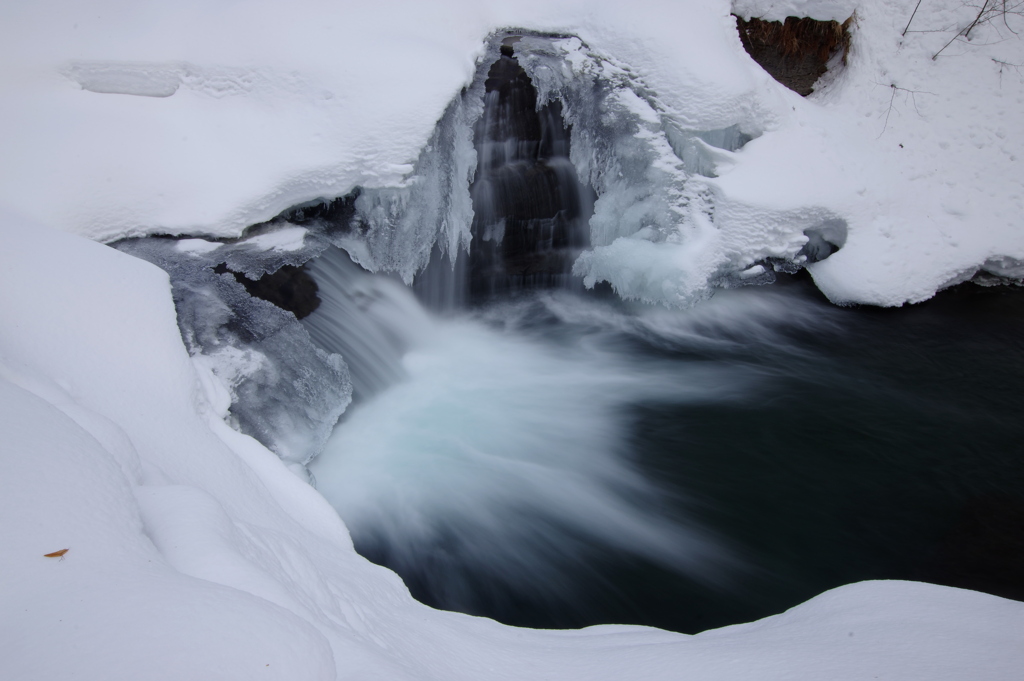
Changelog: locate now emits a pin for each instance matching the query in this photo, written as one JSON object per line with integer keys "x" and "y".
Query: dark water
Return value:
{"x": 891, "y": 449}
{"x": 781, "y": 447}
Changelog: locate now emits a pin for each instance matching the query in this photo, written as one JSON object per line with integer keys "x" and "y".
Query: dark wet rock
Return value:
{"x": 290, "y": 288}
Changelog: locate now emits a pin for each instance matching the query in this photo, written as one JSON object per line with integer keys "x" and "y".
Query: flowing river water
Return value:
{"x": 558, "y": 458}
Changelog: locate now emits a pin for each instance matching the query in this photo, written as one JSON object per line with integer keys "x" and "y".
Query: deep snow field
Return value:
{"x": 196, "y": 552}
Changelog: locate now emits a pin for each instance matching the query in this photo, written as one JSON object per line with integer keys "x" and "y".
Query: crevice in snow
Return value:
{"x": 823, "y": 240}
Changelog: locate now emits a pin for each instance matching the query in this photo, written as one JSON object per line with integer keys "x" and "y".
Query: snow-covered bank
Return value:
{"x": 194, "y": 552}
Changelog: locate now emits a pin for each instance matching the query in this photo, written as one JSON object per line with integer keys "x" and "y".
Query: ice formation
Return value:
{"x": 659, "y": 230}
{"x": 519, "y": 219}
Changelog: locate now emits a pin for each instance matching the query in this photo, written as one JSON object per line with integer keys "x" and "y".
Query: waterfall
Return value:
{"x": 531, "y": 212}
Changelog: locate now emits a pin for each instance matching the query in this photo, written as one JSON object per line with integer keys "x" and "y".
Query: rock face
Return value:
{"x": 531, "y": 211}
{"x": 794, "y": 52}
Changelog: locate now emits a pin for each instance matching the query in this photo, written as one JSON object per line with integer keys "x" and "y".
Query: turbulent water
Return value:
{"x": 562, "y": 459}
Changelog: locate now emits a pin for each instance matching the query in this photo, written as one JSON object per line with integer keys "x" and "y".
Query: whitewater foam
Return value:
{"x": 493, "y": 458}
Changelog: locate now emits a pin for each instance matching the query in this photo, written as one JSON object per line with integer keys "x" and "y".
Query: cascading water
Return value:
{"x": 494, "y": 470}
{"x": 565, "y": 460}
{"x": 530, "y": 211}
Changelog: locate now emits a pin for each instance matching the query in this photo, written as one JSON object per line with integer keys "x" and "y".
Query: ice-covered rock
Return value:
{"x": 269, "y": 380}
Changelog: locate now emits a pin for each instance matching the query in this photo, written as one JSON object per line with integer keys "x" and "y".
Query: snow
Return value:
{"x": 194, "y": 551}
{"x": 112, "y": 606}
{"x": 778, "y": 10}
{"x": 143, "y": 80}
{"x": 930, "y": 187}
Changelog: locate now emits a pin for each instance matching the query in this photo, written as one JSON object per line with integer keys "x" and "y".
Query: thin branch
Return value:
{"x": 935, "y": 56}
{"x": 964, "y": 32}
{"x": 889, "y": 111}
{"x": 1005, "y": 23}
{"x": 1006, "y": 65}
{"x": 976, "y": 19}
{"x": 914, "y": 13}
{"x": 892, "y": 99}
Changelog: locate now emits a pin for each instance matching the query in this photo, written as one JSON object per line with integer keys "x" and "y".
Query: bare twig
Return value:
{"x": 892, "y": 99}
{"x": 889, "y": 111}
{"x": 912, "y": 15}
{"x": 936, "y": 55}
{"x": 974, "y": 23}
{"x": 963, "y": 32}
{"x": 1006, "y": 65}
{"x": 1004, "y": 13}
